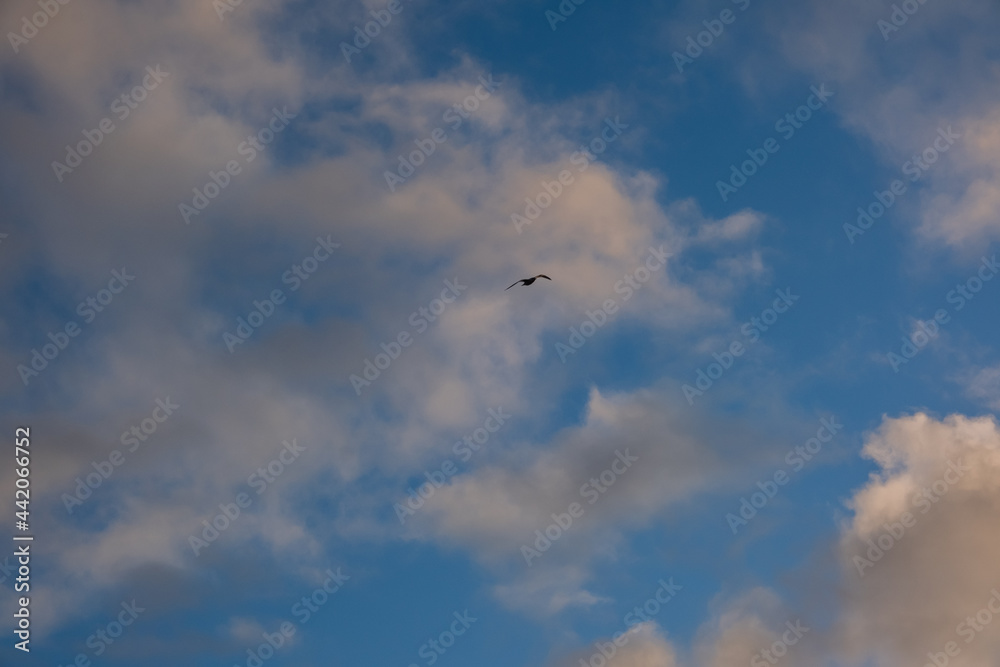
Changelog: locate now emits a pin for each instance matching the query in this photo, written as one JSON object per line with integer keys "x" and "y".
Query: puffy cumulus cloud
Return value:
{"x": 897, "y": 87}
{"x": 740, "y": 628}
{"x": 754, "y": 628}
{"x": 647, "y": 647}
{"x": 940, "y": 567}
{"x": 644, "y": 645}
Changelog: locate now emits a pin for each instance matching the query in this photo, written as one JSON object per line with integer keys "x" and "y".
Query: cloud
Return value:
{"x": 517, "y": 501}
{"x": 739, "y": 628}
{"x": 966, "y": 215}
{"x": 984, "y": 386}
{"x": 897, "y": 91}
{"x": 929, "y": 583}
{"x": 930, "y": 591}
{"x": 647, "y": 648}
{"x": 494, "y": 511}
{"x": 941, "y": 570}
{"x": 644, "y": 646}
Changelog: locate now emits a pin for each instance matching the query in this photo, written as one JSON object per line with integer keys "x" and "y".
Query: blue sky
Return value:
{"x": 253, "y": 273}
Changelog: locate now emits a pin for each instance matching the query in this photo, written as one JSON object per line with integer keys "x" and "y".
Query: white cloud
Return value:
{"x": 942, "y": 569}
{"x": 644, "y": 645}
{"x": 899, "y": 92}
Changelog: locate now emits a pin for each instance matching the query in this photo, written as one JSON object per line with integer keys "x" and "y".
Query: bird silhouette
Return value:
{"x": 528, "y": 281}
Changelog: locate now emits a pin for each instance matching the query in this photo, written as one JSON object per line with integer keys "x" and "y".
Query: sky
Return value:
{"x": 279, "y": 408}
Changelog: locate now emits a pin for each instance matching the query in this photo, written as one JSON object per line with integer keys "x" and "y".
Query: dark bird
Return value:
{"x": 528, "y": 281}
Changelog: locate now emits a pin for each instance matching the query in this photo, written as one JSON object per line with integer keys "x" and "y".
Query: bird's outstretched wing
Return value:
{"x": 542, "y": 275}
{"x": 515, "y": 282}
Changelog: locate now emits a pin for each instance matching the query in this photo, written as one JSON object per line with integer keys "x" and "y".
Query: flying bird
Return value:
{"x": 528, "y": 281}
